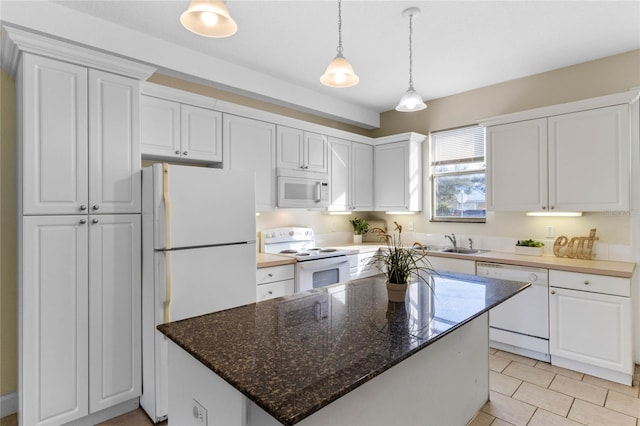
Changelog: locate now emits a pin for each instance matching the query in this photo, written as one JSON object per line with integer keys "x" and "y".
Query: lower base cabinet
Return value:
{"x": 275, "y": 281}
{"x": 79, "y": 310}
{"x": 591, "y": 325}
{"x": 360, "y": 266}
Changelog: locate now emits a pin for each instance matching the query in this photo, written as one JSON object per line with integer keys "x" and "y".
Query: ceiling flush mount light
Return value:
{"x": 339, "y": 73}
{"x": 209, "y": 18}
{"x": 411, "y": 100}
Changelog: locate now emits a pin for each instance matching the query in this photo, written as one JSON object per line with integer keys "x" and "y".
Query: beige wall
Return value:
{"x": 8, "y": 329}
{"x": 609, "y": 75}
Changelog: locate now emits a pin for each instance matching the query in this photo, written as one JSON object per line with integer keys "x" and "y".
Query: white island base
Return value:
{"x": 445, "y": 383}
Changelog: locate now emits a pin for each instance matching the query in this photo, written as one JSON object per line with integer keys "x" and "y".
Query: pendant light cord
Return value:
{"x": 411, "y": 51}
{"x": 339, "y": 49}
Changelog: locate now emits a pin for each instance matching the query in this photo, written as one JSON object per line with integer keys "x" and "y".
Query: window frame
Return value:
{"x": 433, "y": 176}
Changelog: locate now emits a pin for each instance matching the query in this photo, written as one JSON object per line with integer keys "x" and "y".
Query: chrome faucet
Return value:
{"x": 452, "y": 238}
{"x": 470, "y": 243}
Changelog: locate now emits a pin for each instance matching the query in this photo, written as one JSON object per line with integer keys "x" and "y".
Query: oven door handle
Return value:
{"x": 316, "y": 265}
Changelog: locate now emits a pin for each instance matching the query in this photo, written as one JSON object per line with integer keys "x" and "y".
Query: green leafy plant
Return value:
{"x": 399, "y": 263}
{"x": 529, "y": 243}
{"x": 360, "y": 226}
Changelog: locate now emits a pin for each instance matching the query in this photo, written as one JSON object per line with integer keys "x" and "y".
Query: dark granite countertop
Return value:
{"x": 294, "y": 355}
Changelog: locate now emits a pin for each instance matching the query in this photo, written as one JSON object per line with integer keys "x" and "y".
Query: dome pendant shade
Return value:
{"x": 209, "y": 18}
{"x": 411, "y": 101}
{"x": 339, "y": 73}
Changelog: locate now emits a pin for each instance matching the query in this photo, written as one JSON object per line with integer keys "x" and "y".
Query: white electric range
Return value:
{"x": 315, "y": 267}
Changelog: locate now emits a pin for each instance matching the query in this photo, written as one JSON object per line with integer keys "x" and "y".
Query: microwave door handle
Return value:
{"x": 318, "y": 192}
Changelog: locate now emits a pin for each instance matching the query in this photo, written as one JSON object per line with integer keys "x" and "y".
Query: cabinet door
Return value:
{"x": 340, "y": 167}
{"x": 114, "y": 144}
{"x": 201, "y": 131}
{"x": 114, "y": 309}
{"x": 290, "y": 149}
{"x": 54, "y": 126}
{"x": 517, "y": 166}
{"x": 361, "y": 176}
{"x": 250, "y": 145}
{"x": 315, "y": 153}
{"x": 391, "y": 165}
{"x": 54, "y": 319}
{"x": 589, "y": 160}
{"x": 591, "y": 328}
{"x": 159, "y": 127}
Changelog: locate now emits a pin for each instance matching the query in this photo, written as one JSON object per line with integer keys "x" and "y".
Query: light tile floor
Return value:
{"x": 527, "y": 392}
{"x": 523, "y": 391}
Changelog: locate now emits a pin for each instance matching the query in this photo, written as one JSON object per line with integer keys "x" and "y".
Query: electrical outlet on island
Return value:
{"x": 199, "y": 413}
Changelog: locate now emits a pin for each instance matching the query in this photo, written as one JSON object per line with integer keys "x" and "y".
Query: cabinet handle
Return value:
{"x": 270, "y": 275}
{"x": 553, "y": 292}
{"x": 185, "y": 152}
{"x": 95, "y": 207}
{"x": 83, "y": 221}
{"x": 94, "y": 221}
{"x": 586, "y": 282}
{"x": 83, "y": 207}
{"x": 270, "y": 292}
{"x": 177, "y": 152}
{"x": 544, "y": 207}
{"x": 551, "y": 207}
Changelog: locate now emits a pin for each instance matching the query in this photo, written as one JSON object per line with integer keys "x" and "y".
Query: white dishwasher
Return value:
{"x": 521, "y": 324}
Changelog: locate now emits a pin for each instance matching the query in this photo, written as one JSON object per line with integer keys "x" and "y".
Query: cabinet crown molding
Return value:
{"x": 627, "y": 97}
{"x": 16, "y": 41}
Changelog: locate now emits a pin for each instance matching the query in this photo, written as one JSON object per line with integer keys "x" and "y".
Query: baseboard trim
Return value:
{"x": 8, "y": 404}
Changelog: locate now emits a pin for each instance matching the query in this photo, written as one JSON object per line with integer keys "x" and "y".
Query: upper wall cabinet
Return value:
{"x": 567, "y": 162}
{"x": 80, "y": 147}
{"x": 300, "y": 150}
{"x": 351, "y": 175}
{"x": 172, "y": 130}
{"x": 397, "y": 170}
{"x": 250, "y": 145}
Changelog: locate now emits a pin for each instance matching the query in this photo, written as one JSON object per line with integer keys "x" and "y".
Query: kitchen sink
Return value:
{"x": 463, "y": 251}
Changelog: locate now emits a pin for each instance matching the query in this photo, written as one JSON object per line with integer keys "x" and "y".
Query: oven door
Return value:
{"x": 312, "y": 274}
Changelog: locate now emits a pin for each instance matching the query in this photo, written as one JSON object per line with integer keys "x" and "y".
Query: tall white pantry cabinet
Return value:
{"x": 79, "y": 267}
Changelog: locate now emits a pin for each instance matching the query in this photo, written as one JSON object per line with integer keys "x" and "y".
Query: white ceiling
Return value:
{"x": 458, "y": 45}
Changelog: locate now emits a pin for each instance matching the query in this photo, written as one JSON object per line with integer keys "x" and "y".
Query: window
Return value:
{"x": 458, "y": 175}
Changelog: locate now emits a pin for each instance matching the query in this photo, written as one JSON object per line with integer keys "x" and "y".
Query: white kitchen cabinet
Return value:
{"x": 568, "y": 162}
{"x": 301, "y": 150}
{"x": 114, "y": 310}
{"x": 80, "y": 312}
{"x": 397, "y": 173}
{"x": 360, "y": 266}
{"x": 80, "y": 145}
{"x": 590, "y": 323}
{"x": 251, "y": 145}
{"x": 180, "y": 131}
{"x": 54, "y": 317}
{"x": 351, "y": 175}
{"x": 462, "y": 266}
{"x": 275, "y": 281}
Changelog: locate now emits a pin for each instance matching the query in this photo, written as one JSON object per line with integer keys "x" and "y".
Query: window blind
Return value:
{"x": 462, "y": 145}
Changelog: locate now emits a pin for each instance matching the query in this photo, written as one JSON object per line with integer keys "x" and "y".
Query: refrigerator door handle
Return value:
{"x": 167, "y": 295}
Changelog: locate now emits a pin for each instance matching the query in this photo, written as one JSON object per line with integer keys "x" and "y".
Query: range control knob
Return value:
{"x": 533, "y": 277}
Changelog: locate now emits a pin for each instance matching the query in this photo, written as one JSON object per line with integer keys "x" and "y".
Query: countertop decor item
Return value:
{"x": 575, "y": 247}
{"x": 401, "y": 264}
{"x": 529, "y": 247}
{"x": 360, "y": 226}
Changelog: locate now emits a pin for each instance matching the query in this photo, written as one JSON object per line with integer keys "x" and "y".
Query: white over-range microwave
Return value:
{"x": 302, "y": 189}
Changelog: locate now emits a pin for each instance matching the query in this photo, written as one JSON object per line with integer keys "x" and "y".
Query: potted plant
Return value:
{"x": 360, "y": 226}
{"x": 529, "y": 247}
{"x": 401, "y": 264}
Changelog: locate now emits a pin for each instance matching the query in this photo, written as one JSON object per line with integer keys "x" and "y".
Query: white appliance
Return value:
{"x": 315, "y": 267}
{"x": 198, "y": 256}
{"x": 521, "y": 324}
{"x": 302, "y": 189}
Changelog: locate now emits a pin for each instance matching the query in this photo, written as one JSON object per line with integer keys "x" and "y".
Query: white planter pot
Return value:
{"x": 357, "y": 239}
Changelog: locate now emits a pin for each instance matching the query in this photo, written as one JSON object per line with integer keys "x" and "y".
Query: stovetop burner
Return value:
{"x": 289, "y": 251}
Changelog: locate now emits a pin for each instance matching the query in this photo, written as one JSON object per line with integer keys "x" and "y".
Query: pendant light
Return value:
{"x": 339, "y": 73}
{"x": 411, "y": 100}
{"x": 209, "y": 18}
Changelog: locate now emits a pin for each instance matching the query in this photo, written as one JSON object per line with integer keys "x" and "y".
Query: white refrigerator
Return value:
{"x": 198, "y": 256}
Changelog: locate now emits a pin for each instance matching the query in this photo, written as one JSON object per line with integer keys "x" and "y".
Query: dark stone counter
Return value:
{"x": 294, "y": 355}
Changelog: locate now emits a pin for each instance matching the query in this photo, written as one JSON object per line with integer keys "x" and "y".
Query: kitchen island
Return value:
{"x": 341, "y": 354}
